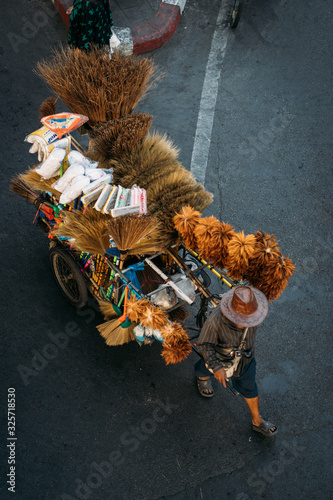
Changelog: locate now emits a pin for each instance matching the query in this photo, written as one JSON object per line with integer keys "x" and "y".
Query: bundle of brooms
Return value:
{"x": 254, "y": 258}
{"x": 92, "y": 231}
{"x": 89, "y": 83}
{"x": 115, "y": 138}
{"x": 153, "y": 165}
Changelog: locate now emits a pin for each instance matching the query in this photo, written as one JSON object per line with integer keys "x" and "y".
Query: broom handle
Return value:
{"x": 169, "y": 282}
{"x": 193, "y": 277}
{"x": 212, "y": 268}
{"x": 126, "y": 280}
{"x": 78, "y": 146}
{"x": 123, "y": 317}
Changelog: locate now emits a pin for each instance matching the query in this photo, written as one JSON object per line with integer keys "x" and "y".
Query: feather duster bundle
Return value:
{"x": 176, "y": 346}
{"x": 219, "y": 250}
{"x": 240, "y": 250}
{"x": 266, "y": 255}
{"x": 153, "y": 317}
{"x": 208, "y": 236}
{"x": 135, "y": 308}
{"x": 143, "y": 311}
{"x": 185, "y": 222}
{"x": 276, "y": 276}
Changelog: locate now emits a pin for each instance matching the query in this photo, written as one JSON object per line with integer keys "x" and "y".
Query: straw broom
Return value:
{"x": 91, "y": 84}
{"x": 178, "y": 314}
{"x": 88, "y": 229}
{"x": 163, "y": 184}
{"x": 165, "y": 209}
{"x": 23, "y": 189}
{"x": 156, "y": 152}
{"x": 48, "y": 107}
{"x": 118, "y": 331}
{"x": 116, "y": 138}
{"x": 131, "y": 234}
{"x": 37, "y": 182}
{"x": 114, "y": 334}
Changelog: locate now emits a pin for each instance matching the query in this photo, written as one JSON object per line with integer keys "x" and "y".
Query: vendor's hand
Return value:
{"x": 69, "y": 10}
{"x": 221, "y": 376}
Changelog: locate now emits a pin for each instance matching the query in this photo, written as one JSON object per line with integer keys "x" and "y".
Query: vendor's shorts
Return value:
{"x": 245, "y": 384}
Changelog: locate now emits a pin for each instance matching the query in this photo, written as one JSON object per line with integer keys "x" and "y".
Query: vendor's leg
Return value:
{"x": 202, "y": 373}
{"x": 253, "y": 404}
{"x": 246, "y": 385}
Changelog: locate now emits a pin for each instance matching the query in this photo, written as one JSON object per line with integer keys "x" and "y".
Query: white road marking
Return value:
{"x": 208, "y": 98}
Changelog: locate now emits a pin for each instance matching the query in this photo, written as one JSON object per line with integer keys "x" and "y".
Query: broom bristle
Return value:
{"x": 116, "y": 138}
{"x": 91, "y": 84}
{"x": 114, "y": 334}
{"x": 36, "y": 181}
{"x": 88, "y": 229}
{"x": 154, "y": 154}
{"x": 107, "y": 309}
{"x": 48, "y": 107}
{"x": 23, "y": 189}
{"x": 129, "y": 231}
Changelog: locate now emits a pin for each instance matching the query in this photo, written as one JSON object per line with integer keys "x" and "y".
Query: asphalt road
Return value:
{"x": 116, "y": 423}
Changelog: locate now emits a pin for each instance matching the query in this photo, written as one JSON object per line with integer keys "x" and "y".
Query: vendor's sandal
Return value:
{"x": 266, "y": 428}
{"x": 205, "y": 385}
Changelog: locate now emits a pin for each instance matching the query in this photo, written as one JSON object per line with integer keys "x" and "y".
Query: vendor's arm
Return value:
{"x": 208, "y": 339}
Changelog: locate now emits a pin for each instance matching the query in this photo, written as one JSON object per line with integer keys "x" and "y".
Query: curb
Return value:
{"x": 145, "y": 37}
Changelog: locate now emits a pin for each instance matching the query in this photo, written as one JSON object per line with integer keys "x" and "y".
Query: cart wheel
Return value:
{"x": 68, "y": 277}
{"x": 236, "y": 13}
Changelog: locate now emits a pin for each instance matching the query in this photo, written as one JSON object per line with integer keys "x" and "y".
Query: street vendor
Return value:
{"x": 226, "y": 344}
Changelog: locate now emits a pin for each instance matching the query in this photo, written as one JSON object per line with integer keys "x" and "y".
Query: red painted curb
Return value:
{"x": 154, "y": 33}
{"x": 147, "y": 36}
{"x": 62, "y": 11}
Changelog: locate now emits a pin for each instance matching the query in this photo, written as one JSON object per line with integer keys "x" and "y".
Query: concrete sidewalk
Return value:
{"x": 140, "y": 25}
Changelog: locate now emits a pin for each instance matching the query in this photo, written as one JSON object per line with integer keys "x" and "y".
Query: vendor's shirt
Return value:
{"x": 219, "y": 333}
